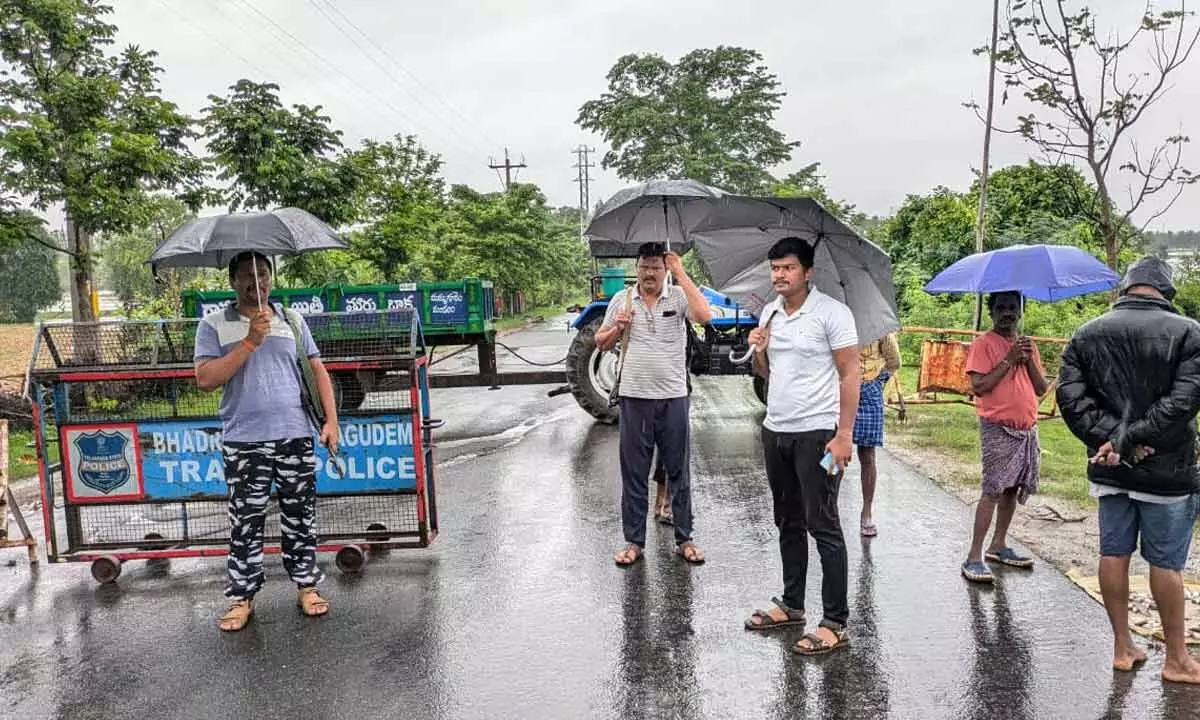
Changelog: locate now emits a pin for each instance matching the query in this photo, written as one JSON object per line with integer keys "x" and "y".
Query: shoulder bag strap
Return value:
{"x": 625, "y": 334}
{"x": 309, "y": 396}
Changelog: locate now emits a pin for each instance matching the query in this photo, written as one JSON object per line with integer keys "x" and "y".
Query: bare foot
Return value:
{"x": 1127, "y": 660}
{"x": 1182, "y": 673}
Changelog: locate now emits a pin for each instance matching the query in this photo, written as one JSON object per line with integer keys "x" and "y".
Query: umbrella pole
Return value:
{"x": 667, "y": 232}
{"x": 257, "y": 286}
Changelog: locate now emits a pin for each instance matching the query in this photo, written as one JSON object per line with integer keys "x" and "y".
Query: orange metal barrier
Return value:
{"x": 943, "y": 369}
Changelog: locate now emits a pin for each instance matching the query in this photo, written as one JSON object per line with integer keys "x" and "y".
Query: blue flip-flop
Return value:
{"x": 976, "y": 571}
{"x": 1008, "y": 556}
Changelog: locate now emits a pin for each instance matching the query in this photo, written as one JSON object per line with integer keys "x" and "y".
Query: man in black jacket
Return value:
{"x": 1129, "y": 388}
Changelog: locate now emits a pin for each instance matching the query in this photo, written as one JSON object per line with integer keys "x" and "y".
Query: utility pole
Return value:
{"x": 584, "y": 178}
{"x": 508, "y": 167}
{"x": 981, "y": 220}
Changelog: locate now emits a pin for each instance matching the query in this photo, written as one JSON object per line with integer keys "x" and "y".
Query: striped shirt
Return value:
{"x": 656, "y": 361}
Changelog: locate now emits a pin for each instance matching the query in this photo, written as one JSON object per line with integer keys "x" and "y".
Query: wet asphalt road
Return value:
{"x": 517, "y": 610}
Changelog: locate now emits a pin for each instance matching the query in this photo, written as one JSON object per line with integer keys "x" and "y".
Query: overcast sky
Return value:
{"x": 874, "y": 88}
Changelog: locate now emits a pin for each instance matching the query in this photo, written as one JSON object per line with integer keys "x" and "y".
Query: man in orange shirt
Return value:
{"x": 1007, "y": 380}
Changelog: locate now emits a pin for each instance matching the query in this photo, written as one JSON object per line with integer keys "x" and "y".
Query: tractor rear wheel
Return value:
{"x": 591, "y": 373}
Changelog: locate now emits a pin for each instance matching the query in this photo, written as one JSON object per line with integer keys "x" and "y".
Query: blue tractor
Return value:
{"x": 591, "y": 372}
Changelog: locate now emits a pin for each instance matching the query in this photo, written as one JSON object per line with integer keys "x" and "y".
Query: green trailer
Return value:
{"x": 460, "y": 313}
{"x": 451, "y": 314}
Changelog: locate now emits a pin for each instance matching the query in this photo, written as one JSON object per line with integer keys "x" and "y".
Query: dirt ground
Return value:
{"x": 16, "y": 344}
{"x": 1063, "y": 534}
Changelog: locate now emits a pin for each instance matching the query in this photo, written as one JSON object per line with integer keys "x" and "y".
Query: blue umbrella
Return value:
{"x": 1046, "y": 273}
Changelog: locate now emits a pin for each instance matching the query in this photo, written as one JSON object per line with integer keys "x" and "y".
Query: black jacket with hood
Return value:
{"x": 1132, "y": 376}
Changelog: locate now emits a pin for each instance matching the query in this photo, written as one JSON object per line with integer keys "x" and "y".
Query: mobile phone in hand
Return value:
{"x": 830, "y": 466}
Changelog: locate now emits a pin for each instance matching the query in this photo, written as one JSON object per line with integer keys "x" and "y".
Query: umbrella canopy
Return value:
{"x": 214, "y": 241}
{"x": 734, "y": 239}
{"x": 1042, "y": 272}
{"x": 656, "y": 211}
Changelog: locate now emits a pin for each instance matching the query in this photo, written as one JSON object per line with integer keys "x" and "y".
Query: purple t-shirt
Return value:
{"x": 261, "y": 401}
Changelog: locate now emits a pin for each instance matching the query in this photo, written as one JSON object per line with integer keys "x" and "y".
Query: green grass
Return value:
{"x": 47, "y": 316}
{"x": 516, "y": 321}
{"x": 22, "y": 456}
{"x": 953, "y": 430}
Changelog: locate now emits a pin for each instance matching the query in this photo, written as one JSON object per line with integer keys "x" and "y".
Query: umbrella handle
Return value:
{"x": 743, "y": 359}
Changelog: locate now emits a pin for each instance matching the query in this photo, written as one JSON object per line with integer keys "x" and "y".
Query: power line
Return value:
{"x": 584, "y": 178}
{"x": 405, "y": 70}
{"x": 508, "y": 167}
{"x": 290, "y": 64}
{"x": 213, "y": 37}
{"x": 388, "y": 73}
{"x": 399, "y": 113}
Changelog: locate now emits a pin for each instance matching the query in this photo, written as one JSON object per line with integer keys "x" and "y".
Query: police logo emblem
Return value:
{"x": 102, "y": 463}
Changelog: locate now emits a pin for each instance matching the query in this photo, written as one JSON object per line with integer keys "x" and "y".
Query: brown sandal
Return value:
{"x": 238, "y": 615}
{"x": 312, "y": 603}
{"x": 628, "y": 556}
{"x": 688, "y": 551}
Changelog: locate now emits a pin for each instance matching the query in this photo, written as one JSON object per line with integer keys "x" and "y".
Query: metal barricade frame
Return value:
{"x": 142, "y": 471}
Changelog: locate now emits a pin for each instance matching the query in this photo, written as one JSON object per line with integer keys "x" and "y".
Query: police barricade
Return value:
{"x": 130, "y": 449}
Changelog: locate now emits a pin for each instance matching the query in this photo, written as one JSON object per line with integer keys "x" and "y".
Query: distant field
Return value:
{"x": 16, "y": 344}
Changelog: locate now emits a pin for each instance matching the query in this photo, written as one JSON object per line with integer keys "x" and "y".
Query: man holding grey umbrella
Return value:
{"x": 251, "y": 352}
{"x": 652, "y": 316}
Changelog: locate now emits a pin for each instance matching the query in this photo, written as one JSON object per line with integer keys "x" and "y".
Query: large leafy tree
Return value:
{"x": 274, "y": 156}
{"x": 707, "y": 117}
{"x": 86, "y": 128}
{"x": 404, "y": 196}
{"x": 512, "y": 238}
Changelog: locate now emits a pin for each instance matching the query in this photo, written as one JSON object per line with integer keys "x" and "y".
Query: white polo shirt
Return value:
{"x": 803, "y": 393}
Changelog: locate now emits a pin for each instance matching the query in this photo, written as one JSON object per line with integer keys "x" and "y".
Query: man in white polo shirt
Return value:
{"x": 807, "y": 346}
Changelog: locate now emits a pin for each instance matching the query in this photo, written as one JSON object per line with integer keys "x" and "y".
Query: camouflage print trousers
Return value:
{"x": 250, "y": 470}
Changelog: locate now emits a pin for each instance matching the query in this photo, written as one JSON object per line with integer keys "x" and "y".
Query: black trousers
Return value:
{"x": 646, "y": 424}
{"x": 806, "y": 503}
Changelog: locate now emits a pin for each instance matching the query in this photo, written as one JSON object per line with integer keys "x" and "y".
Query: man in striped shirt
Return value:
{"x": 653, "y": 391}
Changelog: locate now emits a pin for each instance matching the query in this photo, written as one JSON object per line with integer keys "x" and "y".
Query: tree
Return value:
{"x": 28, "y": 279}
{"x": 123, "y": 257}
{"x": 1037, "y": 203}
{"x": 273, "y": 156}
{"x": 1086, "y": 103}
{"x": 511, "y": 238}
{"x": 85, "y": 128}
{"x": 807, "y": 182}
{"x": 707, "y": 118}
{"x": 16, "y": 225}
{"x": 404, "y": 196}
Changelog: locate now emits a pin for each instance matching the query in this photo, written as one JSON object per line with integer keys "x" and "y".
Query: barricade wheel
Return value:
{"x": 372, "y": 529}
{"x": 155, "y": 542}
{"x": 106, "y": 570}
{"x": 350, "y": 559}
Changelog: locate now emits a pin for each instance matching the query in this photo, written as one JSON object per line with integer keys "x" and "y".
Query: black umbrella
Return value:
{"x": 656, "y": 211}
{"x": 214, "y": 241}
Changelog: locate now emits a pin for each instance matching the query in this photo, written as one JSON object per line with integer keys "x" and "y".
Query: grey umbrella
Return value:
{"x": 734, "y": 238}
{"x": 656, "y": 211}
{"x": 214, "y": 241}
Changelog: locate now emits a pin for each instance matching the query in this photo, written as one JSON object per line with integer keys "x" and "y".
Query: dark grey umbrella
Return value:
{"x": 656, "y": 211}
{"x": 214, "y": 241}
{"x": 734, "y": 238}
